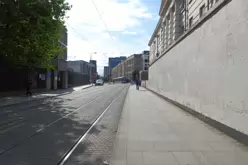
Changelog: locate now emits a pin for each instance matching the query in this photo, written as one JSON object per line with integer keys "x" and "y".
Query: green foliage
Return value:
{"x": 30, "y": 31}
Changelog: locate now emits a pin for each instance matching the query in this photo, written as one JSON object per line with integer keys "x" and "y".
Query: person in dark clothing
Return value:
{"x": 29, "y": 84}
{"x": 137, "y": 84}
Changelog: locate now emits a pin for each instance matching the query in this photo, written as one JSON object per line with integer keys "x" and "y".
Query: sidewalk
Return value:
{"x": 10, "y": 100}
{"x": 154, "y": 132}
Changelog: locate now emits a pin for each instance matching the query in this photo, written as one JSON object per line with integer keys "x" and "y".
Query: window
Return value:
{"x": 146, "y": 68}
{"x": 190, "y": 21}
{"x": 173, "y": 9}
{"x": 182, "y": 6}
{"x": 146, "y": 60}
{"x": 202, "y": 11}
{"x": 211, "y": 3}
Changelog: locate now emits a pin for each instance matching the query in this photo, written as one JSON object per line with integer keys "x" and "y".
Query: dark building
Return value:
{"x": 93, "y": 71}
{"x": 106, "y": 72}
{"x": 79, "y": 66}
{"x": 79, "y": 72}
{"x": 94, "y": 68}
{"x": 59, "y": 78}
{"x": 113, "y": 62}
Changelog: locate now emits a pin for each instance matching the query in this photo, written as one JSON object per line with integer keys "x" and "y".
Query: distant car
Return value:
{"x": 99, "y": 82}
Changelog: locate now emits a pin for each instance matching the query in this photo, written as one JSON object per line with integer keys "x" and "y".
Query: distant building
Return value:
{"x": 145, "y": 58}
{"x": 94, "y": 68}
{"x": 113, "y": 62}
{"x": 129, "y": 68}
{"x": 106, "y": 72}
{"x": 79, "y": 66}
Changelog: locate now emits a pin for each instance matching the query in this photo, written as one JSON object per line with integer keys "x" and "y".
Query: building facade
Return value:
{"x": 59, "y": 77}
{"x": 145, "y": 59}
{"x": 79, "y": 66}
{"x": 176, "y": 18}
{"x": 129, "y": 68}
{"x": 114, "y": 61}
{"x": 106, "y": 72}
{"x": 94, "y": 66}
{"x": 205, "y": 69}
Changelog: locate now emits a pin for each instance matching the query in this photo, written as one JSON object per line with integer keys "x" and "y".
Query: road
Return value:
{"x": 45, "y": 132}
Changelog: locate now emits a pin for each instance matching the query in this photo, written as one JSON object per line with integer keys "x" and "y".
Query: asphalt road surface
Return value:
{"x": 77, "y": 128}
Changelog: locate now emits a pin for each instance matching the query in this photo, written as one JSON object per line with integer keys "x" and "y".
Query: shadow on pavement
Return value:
{"x": 15, "y": 101}
{"x": 43, "y": 132}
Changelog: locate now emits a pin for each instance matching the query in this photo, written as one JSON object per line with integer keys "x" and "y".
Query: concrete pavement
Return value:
{"x": 154, "y": 132}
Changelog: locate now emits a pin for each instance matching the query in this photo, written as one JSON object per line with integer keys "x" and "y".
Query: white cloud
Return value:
{"x": 129, "y": 32}
{"x": 89, "y": 32}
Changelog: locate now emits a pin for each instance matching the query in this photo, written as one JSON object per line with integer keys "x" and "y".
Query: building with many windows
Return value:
{"x": 145, "y": 60}
{"x": 106, "y": 72}
{"x": 113, "y": 62}
{"x": 128, "y": 68}
{"x": 176, "y": 18}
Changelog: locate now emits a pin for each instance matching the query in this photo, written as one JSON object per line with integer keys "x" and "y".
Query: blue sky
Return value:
{"x": 130, "y": 23}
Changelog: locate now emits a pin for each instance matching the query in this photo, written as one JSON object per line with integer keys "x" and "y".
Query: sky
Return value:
{"x": 109, "y": 28}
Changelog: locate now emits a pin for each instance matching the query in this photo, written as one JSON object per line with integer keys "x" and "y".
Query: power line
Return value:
{"x": 105, "y": 25}
{"x": 84, "y": 38}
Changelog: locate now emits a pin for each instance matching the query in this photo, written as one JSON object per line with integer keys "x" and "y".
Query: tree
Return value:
{"x": 30, "y": 31}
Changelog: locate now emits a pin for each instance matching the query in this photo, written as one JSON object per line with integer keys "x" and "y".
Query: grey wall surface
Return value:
{"x": 207, "y": 71}
{"x": 75, "y": 79}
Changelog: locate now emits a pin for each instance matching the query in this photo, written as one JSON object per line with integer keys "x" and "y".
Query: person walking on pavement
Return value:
{"x": 29, "y": 84}
{"x": 137, "y": 84}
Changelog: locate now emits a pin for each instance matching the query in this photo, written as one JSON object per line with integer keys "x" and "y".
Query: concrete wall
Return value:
{"x": 76, "y": 79}
{"x": 207, "y": 71}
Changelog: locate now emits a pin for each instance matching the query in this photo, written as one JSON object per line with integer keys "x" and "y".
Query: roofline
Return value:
{"x": 155, "y": 31}
{"x": 162, "y": 6}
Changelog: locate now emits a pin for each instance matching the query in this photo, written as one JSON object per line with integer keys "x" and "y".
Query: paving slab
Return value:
{"x": 153, "y": 131}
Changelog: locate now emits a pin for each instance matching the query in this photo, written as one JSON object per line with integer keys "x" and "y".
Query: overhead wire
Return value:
{"x": 83, "y": 37}
{"x": 105, "y": 25}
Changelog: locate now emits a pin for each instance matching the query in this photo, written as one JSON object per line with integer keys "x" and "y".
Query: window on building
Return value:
{"x": 146, "y": 60}
{"x": 173, "y": 8}
{"x": 202, "y": 10}
{"x": 190, "y": 21}
{"x": 162, "y": 34}
{"x": 146, "y": 68}
{"x": 211, "y": 3}
{"x": 182, "y": 6}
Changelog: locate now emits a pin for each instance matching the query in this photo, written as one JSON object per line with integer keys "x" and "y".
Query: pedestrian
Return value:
{"x": 28, "y": 90}
{"x": 137, "y": 84}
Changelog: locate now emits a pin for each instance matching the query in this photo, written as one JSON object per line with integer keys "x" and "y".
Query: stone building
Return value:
{"x": 145, "y": 59}
{"x": 128, "y": 68}
{"x": 176, "y": 18}
{"x": 205, "y": 68}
